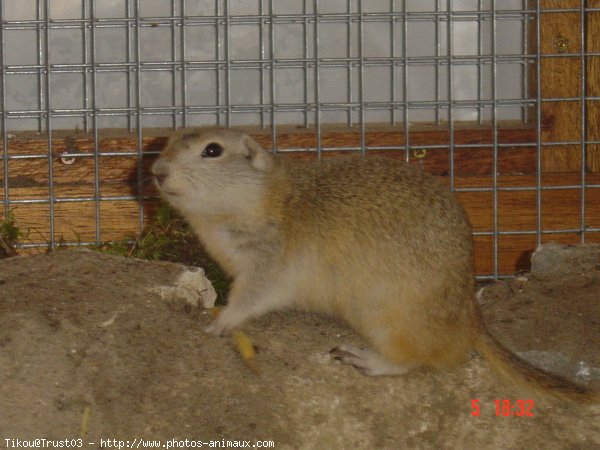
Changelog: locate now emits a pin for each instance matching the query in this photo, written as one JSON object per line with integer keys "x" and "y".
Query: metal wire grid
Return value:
{"x": 179, "y": 63}
{"x": 314, "y": 58}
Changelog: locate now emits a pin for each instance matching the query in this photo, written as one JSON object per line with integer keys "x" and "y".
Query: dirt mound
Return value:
{"x": 89, "y": 348}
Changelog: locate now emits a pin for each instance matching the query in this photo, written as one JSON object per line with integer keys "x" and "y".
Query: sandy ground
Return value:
{"x": 89, "y": 349}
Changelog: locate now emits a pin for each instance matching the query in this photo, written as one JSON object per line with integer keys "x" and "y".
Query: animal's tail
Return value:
{"x": 517, "y": 371}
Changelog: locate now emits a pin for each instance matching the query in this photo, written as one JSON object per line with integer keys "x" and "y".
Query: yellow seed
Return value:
{"x": 244, "y": 346}
{"x": 85, "y": 421}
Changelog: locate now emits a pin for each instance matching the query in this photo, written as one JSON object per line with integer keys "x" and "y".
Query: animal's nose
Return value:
{"x": 160, "y": 179}
{"x": 159, "y": 171}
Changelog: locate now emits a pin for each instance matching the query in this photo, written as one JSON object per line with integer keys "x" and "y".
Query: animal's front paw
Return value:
{"x": 225, "y": 323}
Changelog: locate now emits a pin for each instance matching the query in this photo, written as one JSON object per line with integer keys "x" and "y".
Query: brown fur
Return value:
{"x": 374, "y": 241}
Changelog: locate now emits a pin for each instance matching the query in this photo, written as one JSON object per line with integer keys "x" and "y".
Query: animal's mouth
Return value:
{"x": 159, "y": 183}
{"x": 167, "y": 192}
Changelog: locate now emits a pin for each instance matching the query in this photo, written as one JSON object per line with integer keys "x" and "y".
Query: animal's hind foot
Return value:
{"x": 367, "y": 361}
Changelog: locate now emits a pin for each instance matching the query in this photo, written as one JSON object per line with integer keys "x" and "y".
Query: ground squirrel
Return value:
{"x": 375, "y": 241}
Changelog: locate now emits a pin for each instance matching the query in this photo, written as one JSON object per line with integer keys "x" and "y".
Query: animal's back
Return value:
{"x": 378, "y": 202}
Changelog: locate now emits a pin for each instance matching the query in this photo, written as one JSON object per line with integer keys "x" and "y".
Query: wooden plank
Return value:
{"x": 473, "y": 166}
{"x": 29, "y": 176}
{"x": 558, "y": 4}
{"x": 560, "y": 78}
{"x": 75, "y": 221}
{"x": 593, "y": 86}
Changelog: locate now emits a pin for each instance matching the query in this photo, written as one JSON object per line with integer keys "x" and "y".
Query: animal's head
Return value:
{"x": 212, "y": 171}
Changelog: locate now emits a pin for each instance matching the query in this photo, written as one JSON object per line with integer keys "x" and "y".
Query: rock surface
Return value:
{"x": 88, "y": 346}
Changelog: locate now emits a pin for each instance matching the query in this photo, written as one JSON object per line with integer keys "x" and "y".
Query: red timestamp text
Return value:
{"x": 506, "y": 408}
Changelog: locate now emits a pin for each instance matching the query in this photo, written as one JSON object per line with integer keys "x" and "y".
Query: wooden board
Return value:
{"x": 29, "y": 177}
{"x": 82, "y": 221}
{"x": 593, "y": 86}
{"x": 561, "y": 73}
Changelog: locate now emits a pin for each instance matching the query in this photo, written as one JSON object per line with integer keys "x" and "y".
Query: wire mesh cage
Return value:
{"x": 497, "y": 97}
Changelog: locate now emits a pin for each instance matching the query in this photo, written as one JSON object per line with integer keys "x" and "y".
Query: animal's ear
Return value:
{"x": 260, "y": 158}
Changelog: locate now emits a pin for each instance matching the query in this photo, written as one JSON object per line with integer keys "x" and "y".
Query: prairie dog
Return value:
{"x": 377, "y": 242}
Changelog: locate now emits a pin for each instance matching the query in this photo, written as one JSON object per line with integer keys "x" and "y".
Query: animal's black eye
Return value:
{"x": 212, "y": 150}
